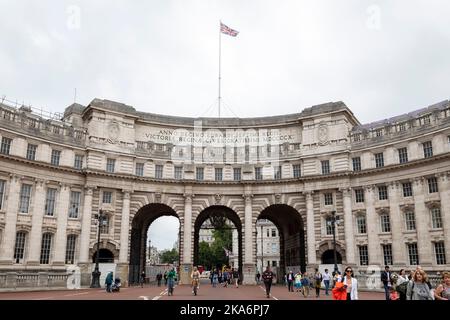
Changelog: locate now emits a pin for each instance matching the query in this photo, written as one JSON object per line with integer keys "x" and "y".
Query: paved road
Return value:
{"x": 182, "y": 292}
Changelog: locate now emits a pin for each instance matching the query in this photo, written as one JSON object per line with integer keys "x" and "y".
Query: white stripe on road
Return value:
{"x": 75, "y": 294}
{"x": 155, "y": 298}
{"x": 46, "y": 298}
{"x": 163, "y": 293}
{"x": 144, "y": 297}
{"x": 263, "y": 289}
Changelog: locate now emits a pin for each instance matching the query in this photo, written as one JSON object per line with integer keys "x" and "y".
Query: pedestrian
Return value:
{"x": 215, "y": 278}
{"x": 442, "y": 291}
{"x": 142, "y": 278}
{"x": 386, "y": 278}
{"x": 402, "y": 284}
{"x": 290, "y": 281}
{"x": 159, "y": 278}
{"x": 165, "y": 278}
{"x": 236, "y": 277}
{"x": 258, "y": 277}
{"x": 305, "y": 285}
{"x": 350, "y": 284}
{"x": 326, "y": 281}
{"x": 317, "y": 282}
{"x": 298, "y": 281}
{"x": 171, "y": 275}
{"x": 267, "y": 277}
{"x": 195, "y": 282}
{"x": 109, "y": 281}
{"x": 418, "y": 287}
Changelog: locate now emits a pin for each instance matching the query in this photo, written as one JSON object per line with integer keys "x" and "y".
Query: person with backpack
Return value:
{"x": 418, "y": 287}
{"x": 267, "y": 277}
{"x": 317, "y": 282}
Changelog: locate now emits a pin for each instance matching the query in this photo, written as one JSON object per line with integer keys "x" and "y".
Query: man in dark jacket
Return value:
{"x": 386, "y": 278}
{"x": 267, "y": 277}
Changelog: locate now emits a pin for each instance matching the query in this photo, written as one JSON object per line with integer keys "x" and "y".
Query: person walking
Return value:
{"x": 267, "y": 277}
{"x": 236, "y": 277}
{"x": 298, "y": 281}
{"x": 109, "y": 281}
{"x": 317, "y": 282}
{"x": 290, "y": 281}
{"x": 386, "y": 278}
{"x": 418, "y": 287}
{"x": 350, "y": 284}
{"x": 305, "y": 285}
{"x": 258, "y": 277}
{"x": 142, "y": 278}
{"x": 442, "y": 291}
{"x": 326, "y": 281}
{"x": 402, "y": 284}
{"x": 171, "y": 275}
{"x": 165, "y": 278}
{"x": 195, "y": 276}
{"x": 215, "y": 278}
{"x": 159, "y": 278}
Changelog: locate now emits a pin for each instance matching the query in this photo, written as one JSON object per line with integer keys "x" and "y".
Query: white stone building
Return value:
{"x": 387, "y": 181}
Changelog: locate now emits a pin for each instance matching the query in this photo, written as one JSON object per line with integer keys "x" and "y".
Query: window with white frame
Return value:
{"x": 329, "y": 225}
{"x": 70, "y": 248}
{"x": 31, "y": 151}
{"x": 439, "y": 251}
{"x": 436, "y": 219}
{"x": 424, "y": 120}
{"x": 2, "y": 192}
{"x": 6, "y": 145}
{"x": 296, "y": 170}
{"x": 237, "y": 174}
{"x": 159, "y": 171}
{"x": 50, "y": 200}
{"x": 56, "y": 156}
{"x": 110, "y": 165}
{"x": 199, "y": 173}
{"x": 328, "y": 199}
{"x": 325, "y": 166}
{"x": 19, "y": 247}
{"x": 407, "y": 189}
{"x": 385, "y": 222}
{"x": 25, "y": 195}
{"x": 413, "y": 254}
{"x": 382, "y": 193}
{"x": 403, "y": 155}
{"x": 363, "y": 255}
{"x": 178, "y": 172}
{"x": 139, "y": 169}
{"x": 427, "y": 149}
{"x": 357, "y": 137}
{"x": 46, "y": 246}
{"x": 75, "y": 202}
{"x": 410, "y": 220}
{"x": 387, "y": 254}
{"x": 277, "y": 172}
{"x": 218, "y": 174}
{"x": 274, "y": 248}
{"x": 104, "y": 225}
{"x": 258, "y": 173}
{"x": 107, "y": 197}
{"x": 359, "y": 195}
{"x": 379, "y": 160}
{"x": 432, "y": 185}
{"x": 78, "y": 162}
{"x": 378, "y": 132}
{"x": 361, "y": 224}
{"x": 356, "y": 163}
{"x": 401, "y": 127}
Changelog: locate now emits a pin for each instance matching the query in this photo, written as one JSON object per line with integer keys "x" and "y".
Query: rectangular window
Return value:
{"x": 439, "y": 250}
{"x": 436, "y": 219}
{"x": 237, "y": 174}
{"x": 359, "y": 195}
{"x": 363, "y": 255}
{"x": 19, "y": 248}
{"x": 432, "y": 185}
{"x": 387, "y": 254}
{"x": 110, "y": 165}
{"x": 268, "y": 232}
{"x": 330, "y": 225}
{"x": 410, "y": 220}
{"x": 328, "y": 199}
{"x": 382, "y": 193}
{"x": 379, "y": 160}
{"x": 356, "y": 164}
{"x": 2, "y": 192}
{"x": 199, "y": 173}
{"x": 277, "y": 172}
{"x": 274, "y": 232}
{"x": 25, "y": 195}
{"x": 403, "y": 155}
{"x": 104, "y": 225}
{"x": 274, "y": 263}
{"x": 70, "y": 248}
{"x": 378, "y": 132}
{"x": 46, "y": 245}
{"x": 50, "y": 202}
{"x": 6, "y": 145}
{"x": 402, "y": 127}
{"x": 218, "y": 174}
{"x": 159, "y": 171}
{"x": 357, "y": 137}
{"x": 78, "y": 163}
{"x": 427, "y": 149}
{"x": 258, "y": 173}
{"x": 107, "y": 197}
{"x": 385, "y": 223}
{"x": 75, "y": 201}
{"x": 178, "y": 172}
{"x": 425, "y": 120}
{"x": 56, "y": 156}
{"x": 407, "y": 189}
{"x": 361, "y": 224}
{"x": 140, "y": 169}
{"x": 296, "y": 170}
{"x": 413, "y": 254}
{"x": 325, "y": 166}
{"x": 31, "y": 152}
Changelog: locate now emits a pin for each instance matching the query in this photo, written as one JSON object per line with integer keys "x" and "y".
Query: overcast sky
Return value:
{"x": 382, "y": 58}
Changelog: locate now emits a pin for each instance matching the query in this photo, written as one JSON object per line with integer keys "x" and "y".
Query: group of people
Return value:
{"x": 225, "y": 278}
{"x": 414, "y": 285}
{"x": 302, "y": 282}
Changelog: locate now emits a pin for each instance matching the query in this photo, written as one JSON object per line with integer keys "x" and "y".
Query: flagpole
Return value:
{"x": 220, "y": 59}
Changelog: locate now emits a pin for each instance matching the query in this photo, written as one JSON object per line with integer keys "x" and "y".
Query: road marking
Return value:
{"x": 144, "y": 297}
{"x": 263, "y": 289}
{"x": 75, "y": 294}
{"x": 156, "y": 298}
{"x": 46, "y": 298}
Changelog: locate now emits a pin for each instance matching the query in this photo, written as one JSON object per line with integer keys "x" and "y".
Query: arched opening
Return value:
{"x": 328, "y": 257}
{"x": 105, "y": 256}
{"x": 290, "y": 239}
{"x": 139, "y": 237}
{"x": 216, "y": 217}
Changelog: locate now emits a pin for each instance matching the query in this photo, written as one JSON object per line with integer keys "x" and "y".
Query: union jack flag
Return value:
{"x": 228, "y": 30}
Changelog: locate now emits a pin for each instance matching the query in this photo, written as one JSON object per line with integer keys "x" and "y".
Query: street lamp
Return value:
{"x": 333, "y": 222}
{"x": 101, "y": 220}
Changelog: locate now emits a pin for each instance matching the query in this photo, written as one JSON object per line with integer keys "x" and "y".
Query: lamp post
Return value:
{"x": 96, "y": 273}
{"x": 334, "y": 220}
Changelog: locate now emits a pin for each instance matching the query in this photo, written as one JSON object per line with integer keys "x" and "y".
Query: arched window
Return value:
{"x": 19, "y": 248}
{"x": 46, "y": 246}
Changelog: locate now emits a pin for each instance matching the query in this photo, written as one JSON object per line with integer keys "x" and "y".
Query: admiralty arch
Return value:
{"x": 387, "y": 182}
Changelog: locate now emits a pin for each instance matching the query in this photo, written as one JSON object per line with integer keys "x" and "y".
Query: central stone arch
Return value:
{"x": 218, "y": 211}
{"x": 139, "y": 227}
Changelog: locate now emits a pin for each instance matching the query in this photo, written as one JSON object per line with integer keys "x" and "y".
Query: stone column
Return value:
{"x": 186, "y": 267}
{"x": 249, "y": 262}
{"x": 422, "y": 216}
{"x": 398, "y": 246}
{"x": 310, "y": 232}
{"x": 373, "y": 240}
{"x": 86, "y": 223}
{"x": 124, "y": 228}
{"x": 348, "y": 226}
{"x": 444, "y": 192}
{"x": 62, "y": 210}
{"x": 36, "y": 223}
{"x": 9, "y": 233}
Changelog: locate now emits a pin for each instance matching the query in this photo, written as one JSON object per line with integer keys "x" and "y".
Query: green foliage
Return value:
{"x": 169, "y": 256}
{"x": 211, "y": 256}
